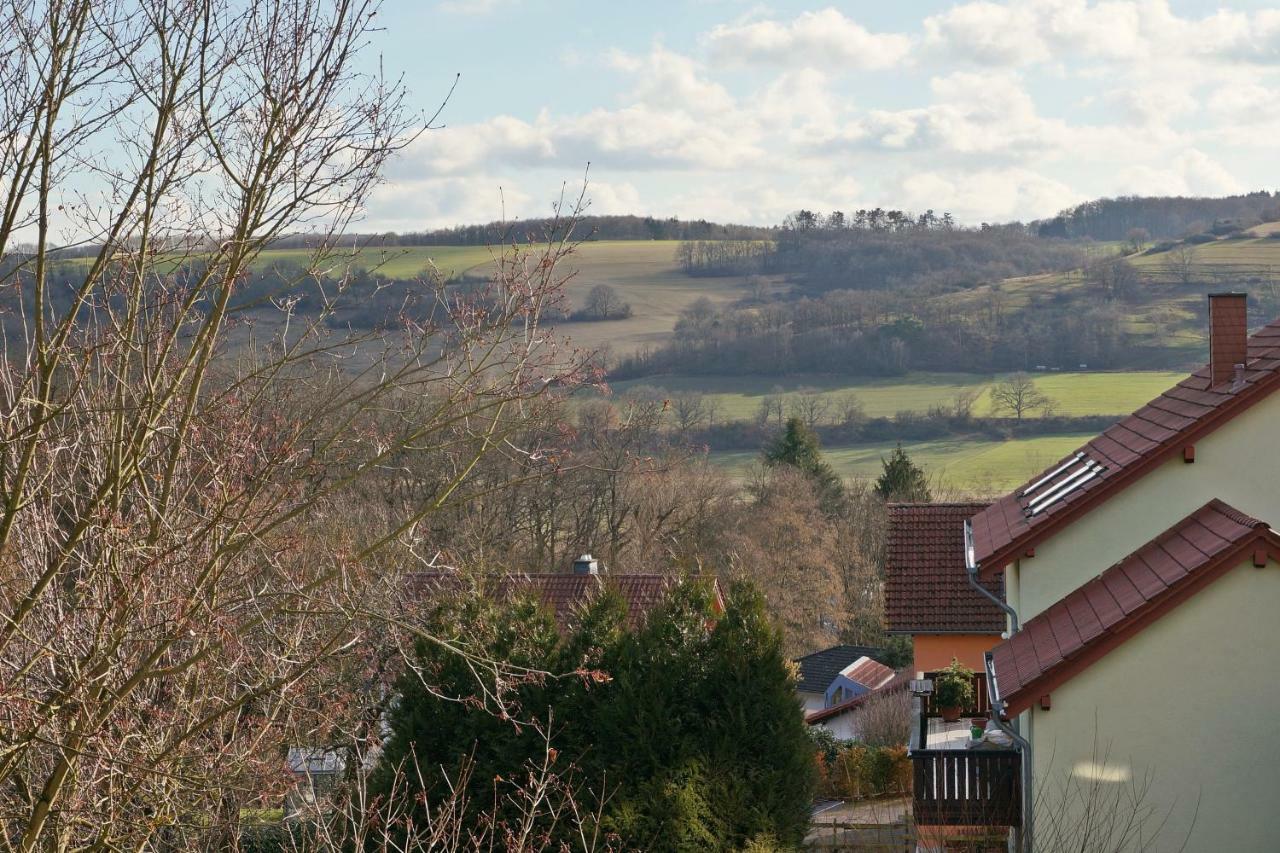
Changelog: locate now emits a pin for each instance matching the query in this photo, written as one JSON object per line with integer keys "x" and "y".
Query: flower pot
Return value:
{"x": 951, "y": 713}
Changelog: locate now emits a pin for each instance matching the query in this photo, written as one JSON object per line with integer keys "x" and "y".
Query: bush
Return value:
{"x": 859, "y": 771}
{"x": 885, "y": 720}
{"x": 953, "y": 686}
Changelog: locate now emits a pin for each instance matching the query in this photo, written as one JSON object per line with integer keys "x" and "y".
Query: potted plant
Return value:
{"x": 953, "y": 690}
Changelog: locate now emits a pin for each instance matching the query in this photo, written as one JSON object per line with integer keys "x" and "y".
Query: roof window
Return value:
{"x": 1062, "y": 481}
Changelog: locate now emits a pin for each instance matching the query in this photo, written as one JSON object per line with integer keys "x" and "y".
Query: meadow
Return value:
{"x": 955, "y": 466}
{"x": 643, "y": 272}
{"x": 1075, "y": 394}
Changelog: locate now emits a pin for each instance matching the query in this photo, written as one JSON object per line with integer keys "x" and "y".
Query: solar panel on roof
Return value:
{"x": 1061, "y": 482}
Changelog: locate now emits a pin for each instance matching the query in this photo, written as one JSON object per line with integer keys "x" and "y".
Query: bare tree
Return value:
{"x": 1181, "y": 264}
{"x": 604, "y": 303}
{"x": 852, "y": 412}
{"x": 170, "y": 458}
{"x": 691, "y": 411}
{"x": 1018, "y": 395}
{"x": 810, "y": 406}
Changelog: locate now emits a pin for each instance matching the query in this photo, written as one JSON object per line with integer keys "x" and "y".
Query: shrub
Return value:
{"x": 885, "y": 719}
{"x": 860, "y": 771}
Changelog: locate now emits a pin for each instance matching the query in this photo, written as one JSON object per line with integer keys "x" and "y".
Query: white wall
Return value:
{"x": 842, "y": 726}
{"x": 1191, "y": 703}
{"x": 1239, "y": 463}
{"x": 811, "y": 701}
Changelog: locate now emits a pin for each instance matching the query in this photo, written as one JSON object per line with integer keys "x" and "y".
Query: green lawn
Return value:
{"x": 954, "y": 465}
{"x": 738, "y": 397}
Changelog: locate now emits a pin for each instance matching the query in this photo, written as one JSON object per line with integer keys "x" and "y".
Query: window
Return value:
{"x": 1064, "y": 480}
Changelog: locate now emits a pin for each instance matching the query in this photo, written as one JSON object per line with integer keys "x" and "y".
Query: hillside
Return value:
{"x": 644, "y": 273}
{"x": 1163, "y": 309}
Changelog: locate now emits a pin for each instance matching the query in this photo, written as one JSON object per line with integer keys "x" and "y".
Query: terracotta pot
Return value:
{"x": 951, "y": 714}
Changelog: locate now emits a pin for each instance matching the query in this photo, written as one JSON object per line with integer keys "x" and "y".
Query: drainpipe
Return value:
{"x": 998, "y": 706}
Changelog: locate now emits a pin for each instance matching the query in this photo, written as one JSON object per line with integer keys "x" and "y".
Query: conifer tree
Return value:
{"x": 902, "y": 480}
{"x": 798, "y": 446}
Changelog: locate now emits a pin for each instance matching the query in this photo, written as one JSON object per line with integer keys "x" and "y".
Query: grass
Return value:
{"x": 644, "y": 272}
{"x": 739, "y": 397}
{"x": 979, "y": 467}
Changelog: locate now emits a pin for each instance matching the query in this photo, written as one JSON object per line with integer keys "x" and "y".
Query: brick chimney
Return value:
{"x": 1228, "y": 335}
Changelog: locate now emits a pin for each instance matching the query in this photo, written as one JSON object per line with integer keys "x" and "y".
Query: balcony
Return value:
{"x": 953, "y": 785}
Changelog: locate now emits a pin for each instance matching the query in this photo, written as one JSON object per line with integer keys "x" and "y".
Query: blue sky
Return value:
{"x": 743, "y": 111}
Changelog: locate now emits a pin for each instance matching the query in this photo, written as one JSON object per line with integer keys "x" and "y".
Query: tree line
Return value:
{"x": 882, "y": 334}
{"x": 1161, "y": 217}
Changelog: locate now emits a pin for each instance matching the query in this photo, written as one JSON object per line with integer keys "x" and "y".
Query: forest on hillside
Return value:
{"x": 1159, "y": 217}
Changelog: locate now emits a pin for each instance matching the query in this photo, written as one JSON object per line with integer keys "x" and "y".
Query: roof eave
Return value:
{"x": 1025, "y": 696}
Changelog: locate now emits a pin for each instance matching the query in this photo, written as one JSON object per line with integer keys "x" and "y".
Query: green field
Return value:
{"x": 1076, "y": 394}
{"x": 644, "y": 273}
{"x": 955, "y": 466}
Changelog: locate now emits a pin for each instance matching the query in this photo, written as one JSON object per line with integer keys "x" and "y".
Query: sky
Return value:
{"x": 744, "y": 111}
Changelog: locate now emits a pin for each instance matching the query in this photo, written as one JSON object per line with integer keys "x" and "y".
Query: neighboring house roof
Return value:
{"x": 565, "y": 594}
{"x": 818, "y": 669}
{"x": 927, "y": 590}
{"x": 899, "y": 681}
{"x": 1089, "y": 622}
{"x": 1123, "y": 453}
{"x": 869, "y": 673}
{"x": 314, "y": 760}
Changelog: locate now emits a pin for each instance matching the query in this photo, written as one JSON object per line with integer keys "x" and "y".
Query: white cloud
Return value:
{"x": 1190, "y": 173}
{"x": 997, "y": 110}
{"x": 988, "y": 194}
{"x": 986, "y": 113}
{"x": 824, "y": 39}
{"x": 1131, "y": 32}
{"x": 671, "y": 80}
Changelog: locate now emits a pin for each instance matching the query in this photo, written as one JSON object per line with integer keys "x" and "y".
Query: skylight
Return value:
{"x": 1062, "y": 481}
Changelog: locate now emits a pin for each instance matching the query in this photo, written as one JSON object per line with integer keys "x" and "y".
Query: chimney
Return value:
{"x": 586, "y": 565}
{"x": 1228, "y": 335}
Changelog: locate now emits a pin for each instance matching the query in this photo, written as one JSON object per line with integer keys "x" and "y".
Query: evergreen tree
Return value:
{"x": 798, "y": 446}
{"x": 695, "y": 736}
{"x": 902, "y": 480}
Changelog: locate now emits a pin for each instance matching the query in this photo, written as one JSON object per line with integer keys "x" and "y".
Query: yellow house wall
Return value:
{"x": 1190, "y": 704}
{"x": 1239, "y": 463}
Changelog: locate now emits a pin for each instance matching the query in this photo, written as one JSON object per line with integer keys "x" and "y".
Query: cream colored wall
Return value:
{"x": 1239, "y": 463}
{"x": 1193, "y": 701}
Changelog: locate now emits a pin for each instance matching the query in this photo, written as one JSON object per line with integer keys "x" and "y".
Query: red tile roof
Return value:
{"x": 564, "y": 594}
{"x": 1089, "y": 622}
{"x": 926, "y": 588}
{"x": 1127, "y": 450}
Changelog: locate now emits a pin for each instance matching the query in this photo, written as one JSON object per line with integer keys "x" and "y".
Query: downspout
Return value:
{"x": 993, "y": 693}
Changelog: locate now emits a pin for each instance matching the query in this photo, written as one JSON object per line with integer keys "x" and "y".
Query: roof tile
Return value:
{"x": 926, "y": 584}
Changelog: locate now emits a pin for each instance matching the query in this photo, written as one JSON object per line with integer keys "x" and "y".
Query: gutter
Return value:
{"x": 998, "y": 706}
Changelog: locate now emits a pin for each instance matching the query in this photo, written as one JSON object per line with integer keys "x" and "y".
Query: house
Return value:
{"x": 317, "y": 773}
{"x": 563, "y": 594}
{"x": 928, "y": 596}
{"x": 842, "y": 719}
{"x": 825, "y": 675}
{"x": 1142, "y": 581}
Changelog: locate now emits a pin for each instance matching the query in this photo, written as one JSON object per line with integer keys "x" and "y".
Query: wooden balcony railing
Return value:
{"x": 966, "y": 787}
{"x": 962, "y": 787}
